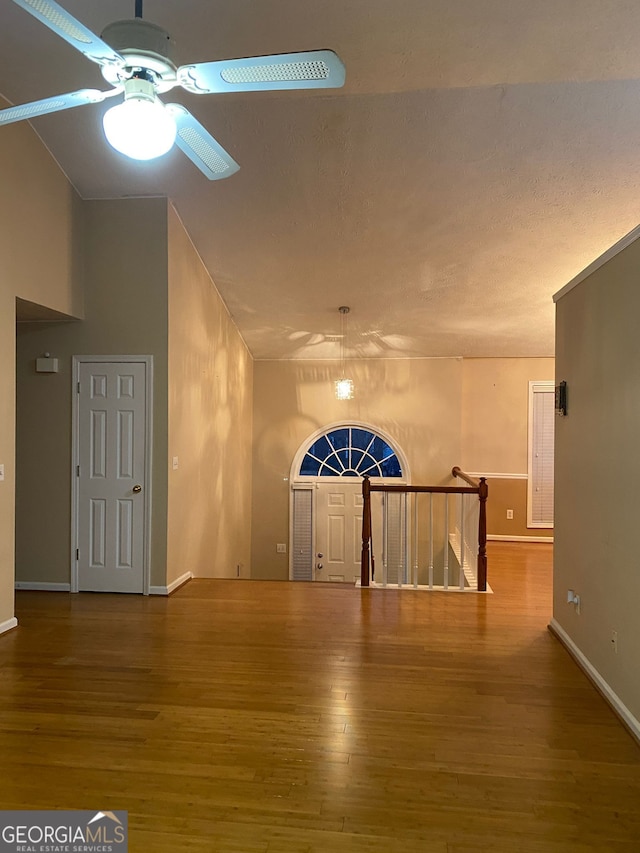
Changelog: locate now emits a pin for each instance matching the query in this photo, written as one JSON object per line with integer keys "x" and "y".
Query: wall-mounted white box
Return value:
{"x": 46, "y": 365}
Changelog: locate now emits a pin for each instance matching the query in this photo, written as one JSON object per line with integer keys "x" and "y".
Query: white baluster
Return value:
{"x": 402, "y": 551}
{"x": 446, "y": 542}
{"x": 415, "y": 541}
{"x": 385, "y": 526}
{"x": 430, "y": 540}
{"x": 461, "y": 575}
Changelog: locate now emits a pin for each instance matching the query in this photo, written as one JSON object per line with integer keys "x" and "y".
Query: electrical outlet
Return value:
{"x": 614, "y": 641}
{"x": 510, "y": 514}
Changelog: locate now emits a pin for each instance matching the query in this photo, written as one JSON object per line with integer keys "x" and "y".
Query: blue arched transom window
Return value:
{"x": 350, "y": 452}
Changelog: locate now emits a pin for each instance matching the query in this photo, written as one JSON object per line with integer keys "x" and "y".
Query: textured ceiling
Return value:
{"x": 480, "y": 155}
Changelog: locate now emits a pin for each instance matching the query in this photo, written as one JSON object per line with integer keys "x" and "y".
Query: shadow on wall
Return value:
{"x": 210, "y": 403}
{"x": 418, "y": 408}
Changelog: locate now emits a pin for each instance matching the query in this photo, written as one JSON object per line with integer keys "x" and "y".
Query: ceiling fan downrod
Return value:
{"x": 138, "y": 11}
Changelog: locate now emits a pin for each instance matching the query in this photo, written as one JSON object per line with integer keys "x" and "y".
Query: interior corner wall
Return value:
{"x": 40, "y": 261}
{"x": 210, "y": 424}
{"x": 126, "y": 303}
{"x": 598, "y": 469}
{"x": 495, "y": 416}
{"x": 7, "y": 451}
{"x": 417, "y": 402}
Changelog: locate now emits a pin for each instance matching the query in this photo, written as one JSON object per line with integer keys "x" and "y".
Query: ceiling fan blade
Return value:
{"x": 53, "y": 105}
{"x": 316, "y": 69}
{"x": 200, "y": 147}
{"x": 69, "y": 28}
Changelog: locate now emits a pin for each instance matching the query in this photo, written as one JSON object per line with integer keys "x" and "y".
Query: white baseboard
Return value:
{"x": 47, "y": 587}
{"x": 495, "y": 538}
{"x": 167, "y": 590}
{"x": 425, "y": 588}
{"x": 8, "y": 625}
{"x": 631, "y": 722}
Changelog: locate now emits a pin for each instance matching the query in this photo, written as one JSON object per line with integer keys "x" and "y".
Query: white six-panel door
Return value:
{"x": 339, "y": 530}
{"x": 111, "y": 482}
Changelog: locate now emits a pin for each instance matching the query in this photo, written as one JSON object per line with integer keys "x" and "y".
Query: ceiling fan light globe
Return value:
{"x": 140, "y": 128}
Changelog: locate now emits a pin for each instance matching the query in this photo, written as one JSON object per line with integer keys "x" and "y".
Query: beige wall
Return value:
{"x": 508, "y": 494}
{"x": 125, "y": 262}
{"x": 7, "y": 450}
{"x": 40, "y": 215}
{"x": 495, "y": 411}
{"x": 598, "y": 469}
{"x": 495, "y": 404}
{"x": 39, "y": 261}
{"x": 417, "y": 402}
{"x": 210, "y": 405}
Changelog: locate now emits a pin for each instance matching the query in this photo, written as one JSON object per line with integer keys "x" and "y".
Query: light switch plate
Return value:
{"x": 174, "y": 463}
{"x": 281, "y": 548}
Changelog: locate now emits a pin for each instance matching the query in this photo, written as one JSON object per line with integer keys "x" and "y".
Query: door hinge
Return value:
{"x": 77, "y": 470}
{"x": 78, "y": 388}
{"x": 77, "y": 553}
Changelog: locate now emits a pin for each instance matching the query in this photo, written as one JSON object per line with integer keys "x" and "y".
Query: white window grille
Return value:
{"x": 350, "y": 451}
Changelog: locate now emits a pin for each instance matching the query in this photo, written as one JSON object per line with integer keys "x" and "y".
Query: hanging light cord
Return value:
{"x": 344, "y": 310}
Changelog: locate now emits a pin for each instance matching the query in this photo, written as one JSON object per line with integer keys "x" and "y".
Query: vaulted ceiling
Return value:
{"x": 479, "y": 156}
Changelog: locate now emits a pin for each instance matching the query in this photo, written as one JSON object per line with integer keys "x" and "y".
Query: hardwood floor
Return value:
{"x": 266, "y": 717}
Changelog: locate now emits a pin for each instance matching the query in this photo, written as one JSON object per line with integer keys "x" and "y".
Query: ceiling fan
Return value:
{"x": 133, "y": 56}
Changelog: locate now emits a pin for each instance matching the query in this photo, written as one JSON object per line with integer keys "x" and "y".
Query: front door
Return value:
{"x": 111, "y": 479}
{"x": 339, "y": 530}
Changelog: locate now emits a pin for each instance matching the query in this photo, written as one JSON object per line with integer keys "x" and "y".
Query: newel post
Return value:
{"x": 483, "y": 493}
{"x": 365, "y": 559}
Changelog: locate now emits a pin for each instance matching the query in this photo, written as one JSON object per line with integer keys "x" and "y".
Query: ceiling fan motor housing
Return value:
{"x": 144, "y": 45}
{"x": 138, "y": 35}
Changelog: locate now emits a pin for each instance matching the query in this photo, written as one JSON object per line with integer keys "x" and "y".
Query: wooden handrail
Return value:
{"x": 478, "y": 487}
{"x": 458, "y": 472}
{"x": 438, "y": 490}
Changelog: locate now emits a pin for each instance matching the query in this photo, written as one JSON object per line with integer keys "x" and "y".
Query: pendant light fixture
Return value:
{"x": 344, "y": 386}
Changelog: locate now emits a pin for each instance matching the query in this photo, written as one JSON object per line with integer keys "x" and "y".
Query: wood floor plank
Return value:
{"x": 263, "y": 717}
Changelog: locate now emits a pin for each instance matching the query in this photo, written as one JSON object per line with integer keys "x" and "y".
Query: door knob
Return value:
{"x": 137, "y": 489}
{"x": 318, "y": 565}
{"x": 320, "y": 555}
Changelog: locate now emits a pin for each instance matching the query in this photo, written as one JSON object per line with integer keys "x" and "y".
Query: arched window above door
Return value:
{"x": 350, "y": 451}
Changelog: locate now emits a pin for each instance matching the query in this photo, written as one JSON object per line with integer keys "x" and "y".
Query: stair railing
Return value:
{"x": 475, "y": 487}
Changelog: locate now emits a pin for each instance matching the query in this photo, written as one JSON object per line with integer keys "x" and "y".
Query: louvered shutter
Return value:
{"x": 395, "y": 538}
{"x": 541, "y": 445}
{"x": 302, "y": 541}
